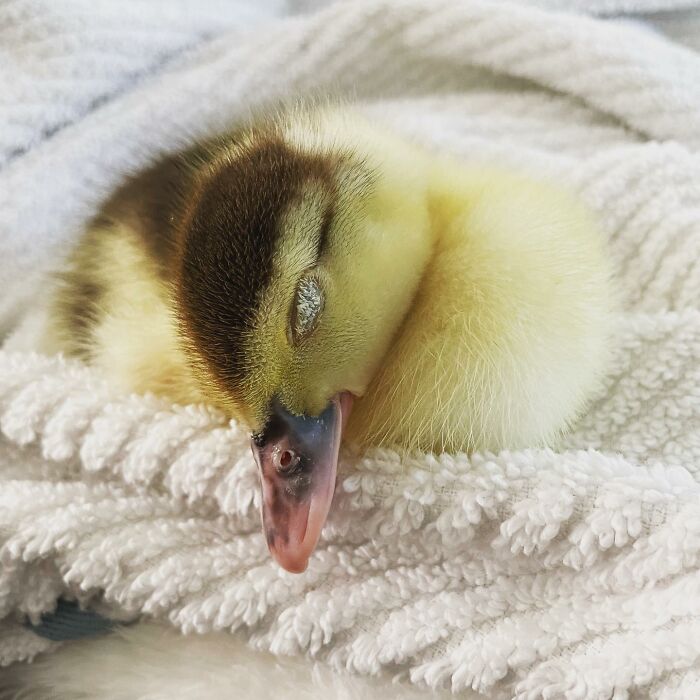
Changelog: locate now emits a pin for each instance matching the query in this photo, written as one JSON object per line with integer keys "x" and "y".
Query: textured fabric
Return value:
{"x": 60, "y": 60}
{"x": 614, "y": 7}
{"x": 570, "y": 573}
{"x": 69, "y": 622}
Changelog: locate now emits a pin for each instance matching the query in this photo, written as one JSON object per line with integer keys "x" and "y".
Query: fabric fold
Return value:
{"x": 567, "y": 572}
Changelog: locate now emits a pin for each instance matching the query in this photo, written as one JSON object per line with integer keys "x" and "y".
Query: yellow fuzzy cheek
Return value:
{"x": 134, "y": 340}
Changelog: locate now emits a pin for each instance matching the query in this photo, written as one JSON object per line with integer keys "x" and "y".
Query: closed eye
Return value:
{"x": 306, "y": 308}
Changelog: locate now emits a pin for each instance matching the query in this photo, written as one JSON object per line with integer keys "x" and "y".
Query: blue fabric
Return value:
{"x": 69, "y": 622}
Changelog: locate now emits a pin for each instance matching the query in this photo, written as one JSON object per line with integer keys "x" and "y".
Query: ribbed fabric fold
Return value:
{"x": 570, "y": 572}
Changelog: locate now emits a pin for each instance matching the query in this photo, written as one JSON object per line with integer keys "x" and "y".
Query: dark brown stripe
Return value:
{"x": 229, "y": 243}
{"x": 152, "y": 203}
{"x": 325, "y": 230}
{"x": 76, "y": 308}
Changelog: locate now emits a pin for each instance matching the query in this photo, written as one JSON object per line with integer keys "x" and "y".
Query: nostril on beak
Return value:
{"x": 285, "y": 460}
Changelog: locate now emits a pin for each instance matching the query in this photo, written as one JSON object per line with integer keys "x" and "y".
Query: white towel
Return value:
{"x": 528, "y": 574}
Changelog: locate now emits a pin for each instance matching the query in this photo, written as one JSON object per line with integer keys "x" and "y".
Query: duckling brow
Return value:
{"x": 229, "y": 245}
{"x": 306, "y": 225}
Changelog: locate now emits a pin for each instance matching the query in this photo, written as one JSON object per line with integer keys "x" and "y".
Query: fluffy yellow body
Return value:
{"x": 468, "y": 307}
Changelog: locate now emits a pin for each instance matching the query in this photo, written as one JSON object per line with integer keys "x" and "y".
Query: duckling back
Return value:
{"x": 509, "y": 334}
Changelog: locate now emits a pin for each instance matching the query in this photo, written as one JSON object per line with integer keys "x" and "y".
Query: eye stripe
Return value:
{"x": 324, "y": 231}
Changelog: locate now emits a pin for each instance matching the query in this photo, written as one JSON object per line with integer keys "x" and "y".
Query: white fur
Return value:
{"x": 154, "y": 662}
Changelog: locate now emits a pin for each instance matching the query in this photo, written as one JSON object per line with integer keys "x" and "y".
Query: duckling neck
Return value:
{"x": 412, "y": 398}
{"x": 506, "y": 333}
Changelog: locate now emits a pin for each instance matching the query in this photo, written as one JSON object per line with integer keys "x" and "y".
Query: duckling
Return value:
{"x": 317, "y": 277}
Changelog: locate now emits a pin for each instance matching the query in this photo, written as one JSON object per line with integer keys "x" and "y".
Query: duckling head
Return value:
{"x": 299, "y": 257}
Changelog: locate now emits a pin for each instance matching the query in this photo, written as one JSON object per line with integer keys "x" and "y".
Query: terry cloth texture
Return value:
{"x": 571, "y": 573}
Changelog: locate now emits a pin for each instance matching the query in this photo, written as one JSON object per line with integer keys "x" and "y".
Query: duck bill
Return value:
{"x": 298, "y": 459}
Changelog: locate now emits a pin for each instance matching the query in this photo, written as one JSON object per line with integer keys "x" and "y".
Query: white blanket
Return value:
{"x": 571, "y": 574}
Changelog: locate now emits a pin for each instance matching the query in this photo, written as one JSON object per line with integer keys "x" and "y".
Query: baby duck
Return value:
{"x": 313, "y": 263}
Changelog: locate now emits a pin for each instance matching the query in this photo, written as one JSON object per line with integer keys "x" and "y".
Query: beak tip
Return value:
{"x": 292, "y": 564}
{"x": 291, "y": 556}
